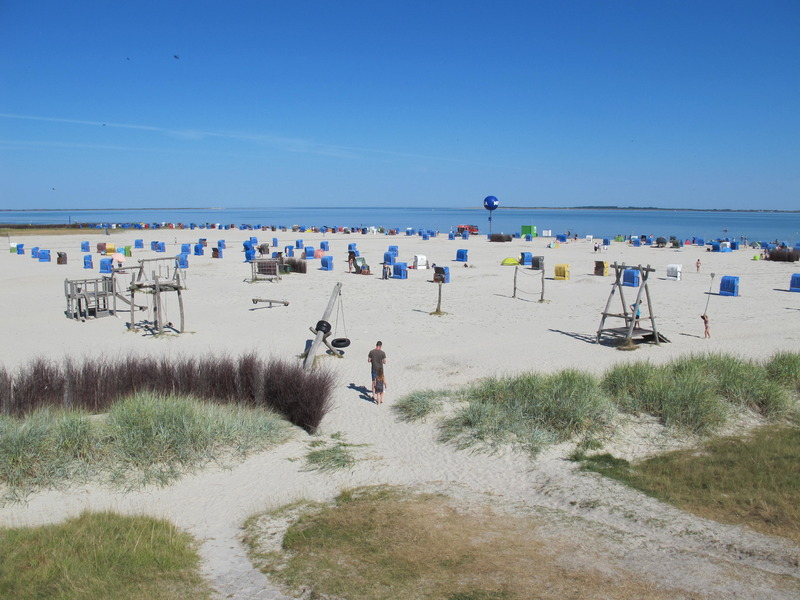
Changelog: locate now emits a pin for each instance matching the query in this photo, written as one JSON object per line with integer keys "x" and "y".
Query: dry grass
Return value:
{"x": 752, "y": 481}
{"x": 383, "y": 543}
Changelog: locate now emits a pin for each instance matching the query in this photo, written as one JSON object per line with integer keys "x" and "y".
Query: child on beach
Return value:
{"x": 706, "y": 332}
{"x": 380, "y": 385}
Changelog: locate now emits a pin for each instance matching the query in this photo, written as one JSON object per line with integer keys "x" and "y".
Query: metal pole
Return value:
{"x": 709, "y": 293}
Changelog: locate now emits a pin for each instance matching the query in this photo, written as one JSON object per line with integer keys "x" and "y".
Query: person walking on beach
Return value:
{"x": 380, "y": 385}
{"x": 376, "y": 358}
{"x": 697, "y": 264}
{"x": 706, "y": 330}
{"x": 351, "y": 258}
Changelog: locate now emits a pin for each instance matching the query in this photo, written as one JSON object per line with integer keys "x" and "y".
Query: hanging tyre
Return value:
{"x": 323, "y": 327}
{"x": 340, "y": 342}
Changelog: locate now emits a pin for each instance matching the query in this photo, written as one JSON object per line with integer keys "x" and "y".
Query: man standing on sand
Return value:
{"x": 376, "y": 358}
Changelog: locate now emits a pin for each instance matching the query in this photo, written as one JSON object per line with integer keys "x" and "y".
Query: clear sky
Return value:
{"x": 257, "y": 103}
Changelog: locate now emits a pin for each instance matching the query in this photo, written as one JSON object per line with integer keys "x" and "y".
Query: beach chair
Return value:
{"x": 324, "y": 246}
{"x": 87, "y": 261}
{"x": 400, "y": 271}
{"x": 288, "y": 251}
{"x": 360, "y": 265}
{"x": 101, "y": 248}
{"x": 35, "y": 252}
{"x": 451, "y": 236}
{"x": 216, "y": 253}
{"x": 84, "y": 246}
{"x": 111, "y": 249}
{"x": 327, "y": 263}
{"x": 61, "y": 258}
{"x": 636, "y": 242}
{"x": 186, "y": 248}
{"x": 161, "y": 247}
{"x": 389, "y": 258}
{"x": 20, "y": 248}
{"x": 674, "y": 272}
{"x": 298, "y": 244}
{"x": 138, "y": 243}
{"x": 198, "y": 250}
{"x": 794, "y": 284}
{"x": 601, "y": 268}
{"x": 562, "y": 272}
{"x": 441, "y": 274}
{"x": 44, "y": 255}
{"x": 729, "y": 286}
{"x": 461, "y": 255}
{"x": 106, "y": 265}
{"x": 526, "y": 258}
{"x": 420, "y": 261}
{"x": 561, "y": 238}
{"x": 309, "y": 252}
{"x": 394, "y": 250}
{"x": 249, "y": 255}
{"x": 630, "y": 277}
{"x": 537, "y": 263}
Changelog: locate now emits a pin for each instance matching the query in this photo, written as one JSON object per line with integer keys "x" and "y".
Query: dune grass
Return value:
{"x": 100, "y": 556}
{"x": 144, "y": 439}
{"x": 751, "y": 480}
{"x": 696, "y": 394}
{"x": 382, "y": 542}
{"x": 419, "y": 404}
{"x": 334, "y": 455}
{"x": 529, "y": 411}
{"x": 303, "y": 397}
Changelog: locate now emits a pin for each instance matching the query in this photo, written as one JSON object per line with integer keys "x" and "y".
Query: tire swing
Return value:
{"x": 340, "y": 342}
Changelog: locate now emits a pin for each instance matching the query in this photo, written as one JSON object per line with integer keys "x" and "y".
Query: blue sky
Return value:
{"x": 685, "y": 104}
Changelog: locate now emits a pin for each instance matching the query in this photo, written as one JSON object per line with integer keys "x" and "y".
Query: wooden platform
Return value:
{"x": 639, "y": 333}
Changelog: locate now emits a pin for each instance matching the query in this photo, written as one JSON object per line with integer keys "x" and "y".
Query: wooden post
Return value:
{"x": 514, "y": 295}
{"x": 309, "y": 361}
{"x": 156, "y": 304}
{"x": 438, "y": 310}
{"x": 541, "y": 299}
{"x": 180, "y": 297}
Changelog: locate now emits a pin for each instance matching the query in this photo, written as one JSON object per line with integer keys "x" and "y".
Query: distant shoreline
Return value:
{"x": 608, "y": 208}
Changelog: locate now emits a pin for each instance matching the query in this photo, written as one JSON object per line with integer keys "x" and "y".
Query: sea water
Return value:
{"x": 600, "y": 223}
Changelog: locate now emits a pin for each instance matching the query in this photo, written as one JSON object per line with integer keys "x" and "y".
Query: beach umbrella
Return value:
{"x": 118, "y": 257}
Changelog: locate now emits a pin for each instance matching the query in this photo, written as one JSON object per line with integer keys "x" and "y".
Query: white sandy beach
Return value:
{"x": 485, "y": 332}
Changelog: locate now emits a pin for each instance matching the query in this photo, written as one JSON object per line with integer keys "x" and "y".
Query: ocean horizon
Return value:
{"x": 598, "y": 222}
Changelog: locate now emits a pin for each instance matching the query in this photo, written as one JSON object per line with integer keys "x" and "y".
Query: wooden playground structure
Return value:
{"x": 631, "y": 325}
{"x": 166, "y": 277}
{"x": 95, "y": 298}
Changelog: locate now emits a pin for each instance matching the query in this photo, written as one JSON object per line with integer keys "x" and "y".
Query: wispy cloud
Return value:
{"x": 282, "y": 143}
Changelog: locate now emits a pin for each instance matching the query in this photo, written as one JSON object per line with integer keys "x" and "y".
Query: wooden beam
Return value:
{"x": 309, "y": 362}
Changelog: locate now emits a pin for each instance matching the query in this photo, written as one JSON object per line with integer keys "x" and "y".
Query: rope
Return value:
{"x": 340, "y": 309}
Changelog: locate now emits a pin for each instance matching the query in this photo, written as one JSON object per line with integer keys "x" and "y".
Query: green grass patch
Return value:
{"x": 751, "y": 480}
{"x": 145, "y": 439}
{"x": 420, "y": 404}
{"x": 784, "y": 368}
{"x": 335, "y": 455}
{"x": 100, "y": 556}
{"x": 529, "y": 411}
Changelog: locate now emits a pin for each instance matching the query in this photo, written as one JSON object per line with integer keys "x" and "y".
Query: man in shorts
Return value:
{"x": 376, "y": 358}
